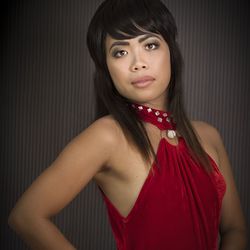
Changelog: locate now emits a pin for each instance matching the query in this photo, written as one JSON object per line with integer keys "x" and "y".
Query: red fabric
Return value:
{"x": 178, "y": 207}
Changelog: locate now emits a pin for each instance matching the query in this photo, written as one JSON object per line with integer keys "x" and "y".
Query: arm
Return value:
{"x": 232, "y": 226}
{"x": 76, "y": 165}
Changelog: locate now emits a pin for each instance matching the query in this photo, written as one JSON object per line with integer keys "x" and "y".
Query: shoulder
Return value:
{"x": 210, "y": 139}
{"x": 207, "y": 133}
{"x": 105, "y": 124}
{"x": 95, "y": 145}
{"x": 105, "y": 129}
{"x": 204, "y": 128}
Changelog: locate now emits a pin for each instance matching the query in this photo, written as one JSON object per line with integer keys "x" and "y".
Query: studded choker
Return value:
{"x": 161, "y": 119}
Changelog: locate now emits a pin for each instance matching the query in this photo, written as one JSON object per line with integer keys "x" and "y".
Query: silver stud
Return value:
{"x": 168, "y": 119}
{"x": 149, "y": 110}
{"x": 140, "y": 108}
{"x": 157, "y": 113}
{"x": 171, "y": 134}
{"x": 159, "y": 119}
{"x": 165, "y": 114}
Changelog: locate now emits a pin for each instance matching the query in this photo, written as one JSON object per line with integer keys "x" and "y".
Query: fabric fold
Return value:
{"x": 177, "y": 208}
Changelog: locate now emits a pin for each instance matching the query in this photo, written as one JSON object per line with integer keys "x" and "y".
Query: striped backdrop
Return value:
{"x": 47, "y": 97}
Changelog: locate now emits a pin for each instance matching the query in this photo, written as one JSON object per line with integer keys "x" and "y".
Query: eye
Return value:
{"x": 152, "y": 45}
{"x": 119, "y": 53}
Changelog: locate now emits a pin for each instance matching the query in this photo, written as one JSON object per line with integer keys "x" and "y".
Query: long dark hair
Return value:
{"x": 125, "y": 19}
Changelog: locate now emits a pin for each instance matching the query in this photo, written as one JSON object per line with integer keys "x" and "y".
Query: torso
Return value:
{"x": 123, "y": 177}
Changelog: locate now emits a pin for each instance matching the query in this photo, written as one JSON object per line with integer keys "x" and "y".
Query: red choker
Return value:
{"x": 162, "y": 119}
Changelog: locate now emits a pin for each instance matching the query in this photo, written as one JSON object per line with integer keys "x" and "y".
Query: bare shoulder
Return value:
{"x": 210, "y": 139}
{"x": 208, "y": 134}
{"x": 104, "y": 133}
{"x": 105, "y": 128}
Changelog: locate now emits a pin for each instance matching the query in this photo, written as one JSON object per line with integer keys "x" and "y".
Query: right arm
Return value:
{"x": 86, "y": 155}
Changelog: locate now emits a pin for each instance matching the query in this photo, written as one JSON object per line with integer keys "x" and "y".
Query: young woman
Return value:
{"x": 166, "y": 181}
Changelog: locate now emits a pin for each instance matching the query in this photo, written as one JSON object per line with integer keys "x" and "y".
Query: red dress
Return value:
{"x": 178, "y": 207}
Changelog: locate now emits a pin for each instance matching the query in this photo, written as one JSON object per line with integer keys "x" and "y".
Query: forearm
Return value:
{"x": 234, "y": 240}
{"x": 40, "y": 234}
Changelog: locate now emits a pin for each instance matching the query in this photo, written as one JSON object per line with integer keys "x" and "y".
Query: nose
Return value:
{"x": 138, "y": 64}
{"x": 138, "y": 67}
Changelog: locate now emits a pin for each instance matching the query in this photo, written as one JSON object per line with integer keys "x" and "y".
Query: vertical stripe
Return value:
{"x": 47, "y": 97}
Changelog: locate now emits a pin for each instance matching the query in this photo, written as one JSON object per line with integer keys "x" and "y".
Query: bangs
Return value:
{"x": 126, "y": 21}
{"x": 131, "y": 30}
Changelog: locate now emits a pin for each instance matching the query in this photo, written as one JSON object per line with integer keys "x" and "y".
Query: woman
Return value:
{"x": 166, "y": 181}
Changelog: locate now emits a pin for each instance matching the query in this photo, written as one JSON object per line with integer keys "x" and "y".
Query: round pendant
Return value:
{"x": 171, "y": 134}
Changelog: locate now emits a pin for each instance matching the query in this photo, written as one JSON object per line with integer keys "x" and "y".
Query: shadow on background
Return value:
{"x": 47, "y": 97}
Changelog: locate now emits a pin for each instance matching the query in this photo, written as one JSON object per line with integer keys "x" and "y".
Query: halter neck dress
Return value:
{"x": 179, "y": 204}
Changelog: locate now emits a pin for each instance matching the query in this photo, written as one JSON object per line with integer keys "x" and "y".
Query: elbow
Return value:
{"x": 16, "y": 220}
{"x": 239, "y": 229}
{"x": 21, "y": 220}
{"x": 234, "y": 239}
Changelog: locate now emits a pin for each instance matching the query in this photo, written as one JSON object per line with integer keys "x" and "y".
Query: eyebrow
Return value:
{"x": 117, "y": 43}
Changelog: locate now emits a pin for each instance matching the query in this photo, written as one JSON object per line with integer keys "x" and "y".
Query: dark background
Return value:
{"x": 47, "y": 97}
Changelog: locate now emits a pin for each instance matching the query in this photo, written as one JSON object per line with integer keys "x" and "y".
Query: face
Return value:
{"x": 140, "y": 68}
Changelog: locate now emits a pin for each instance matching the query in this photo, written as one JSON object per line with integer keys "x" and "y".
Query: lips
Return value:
{"x": 143, "y": 80}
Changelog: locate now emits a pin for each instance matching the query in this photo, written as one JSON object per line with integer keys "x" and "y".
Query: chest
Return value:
{"x": 123, "y": 181}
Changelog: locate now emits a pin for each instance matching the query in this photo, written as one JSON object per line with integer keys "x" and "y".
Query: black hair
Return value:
{"x": 125, "y": 19}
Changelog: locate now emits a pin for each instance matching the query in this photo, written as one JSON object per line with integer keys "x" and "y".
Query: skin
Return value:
{"x": 119, "y": 169}
{"x": 150, "y": 57}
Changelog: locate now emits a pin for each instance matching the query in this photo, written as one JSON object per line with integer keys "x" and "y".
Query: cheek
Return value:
{"x": 117, "y": 72}
{"x": 165, "y": 59}
{"x": 117, "y": 76}
{"x": 163, "y": 70}
{"x": 114, "y": 73}
{"x": 166, "y": 64}
{"x": 161, "y": 65}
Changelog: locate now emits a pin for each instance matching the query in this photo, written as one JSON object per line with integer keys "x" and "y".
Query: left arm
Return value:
{"x": 232, "y": 225}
